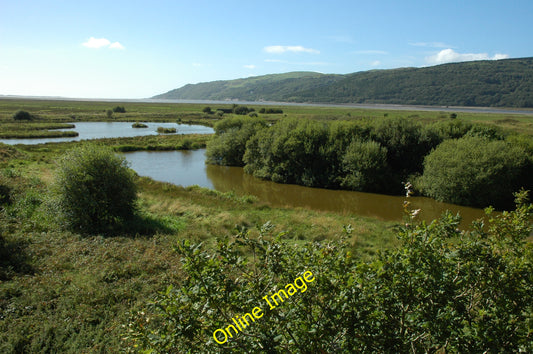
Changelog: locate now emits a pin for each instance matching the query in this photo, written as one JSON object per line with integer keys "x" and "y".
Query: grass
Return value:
{"x": 61, "y": 292}
{"x": 162, "y": 130}
{"x": 25, "y": 130}
{"x": 72, "y": 111}
{"x": 139, "y": 125}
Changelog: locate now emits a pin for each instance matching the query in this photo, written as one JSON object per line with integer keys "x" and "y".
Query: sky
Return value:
{"x": 138, "y": 49}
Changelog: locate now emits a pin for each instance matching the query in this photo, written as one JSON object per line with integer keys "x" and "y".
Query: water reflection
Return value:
{"x": 98, "y": 130}
{"x": 380, "y": 206}
{"x": 188, "y": 168}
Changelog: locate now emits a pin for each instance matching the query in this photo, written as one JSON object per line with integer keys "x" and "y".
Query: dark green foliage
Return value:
{"x": 312, "y": 153}
{"x": 94, "y": 190}
{"x": 498, "y": 83}
{"x": 476, "y": 171}
{"x": 139, "y": 125}
{"x": 231, "y": 134}
{"x": 291, "y": 151}
{"x": 23, "y": 115}
{"x": 377, "y": 156}
{"x": 365, "y": 165}
{"x": 471, "y": 295}
{"x": 207, "y": 110}
{"x": 242, "y": 110}
{"x": 119, "y": 109}
{"x": 271, "y": 110}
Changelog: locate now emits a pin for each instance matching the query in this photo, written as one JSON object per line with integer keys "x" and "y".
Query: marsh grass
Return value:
{"x": 25, "y": 130}
{"x": 162, "y": 130}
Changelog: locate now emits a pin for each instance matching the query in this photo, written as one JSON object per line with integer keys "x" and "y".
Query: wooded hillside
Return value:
{"x": 495, "y": 83}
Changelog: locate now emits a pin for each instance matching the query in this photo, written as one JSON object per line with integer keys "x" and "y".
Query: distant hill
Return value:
{"x": 494, "y": 83}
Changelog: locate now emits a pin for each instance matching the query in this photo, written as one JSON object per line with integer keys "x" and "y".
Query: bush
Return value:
{"x": 94, "y": 190}
{"x": 474, "y": 295}
{"x": 476, "y": 171}
{"x": 365, "y": 166}
{"x": 119, "y": 109}
{"x": 139, "y": 125}
{"x": 242, "y": 110}
{"x": 23, "y": 115}
{"x": 228, "y": 145}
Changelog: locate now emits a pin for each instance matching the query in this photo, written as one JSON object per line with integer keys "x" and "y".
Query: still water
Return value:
{"x": 98, "y": 130}
{"x": 188, "y": 168}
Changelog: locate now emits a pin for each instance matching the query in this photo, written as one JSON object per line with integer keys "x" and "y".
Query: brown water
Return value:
{"x": 188, "y": 168}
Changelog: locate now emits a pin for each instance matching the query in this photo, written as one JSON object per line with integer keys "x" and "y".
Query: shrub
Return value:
{"x": 242, "y": 110}
{"x": 228, "y": 145}
{"x": 94, "y": 190}
{"x": 471, "y": 295}
{"x": 22, "y": 115}
{"x": 139, "y": 125}
{"x": 365, "y": 166}
{"x": 207, "y": 110}
{"x": 119, "y": 109}
{"x": 476, "y": 171}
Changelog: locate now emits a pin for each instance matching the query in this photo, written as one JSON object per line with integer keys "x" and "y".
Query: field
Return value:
{"x": 64, "y": 292}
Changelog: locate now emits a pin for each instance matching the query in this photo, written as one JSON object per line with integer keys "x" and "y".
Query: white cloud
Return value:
{"x": 251, "y": 66}
{"x": 96, "y": 43}
{"x": 451, "y": 56}
{"x": 280, "y": 49}
{"x": 116, "y": 45}
{"x": 375, "y": 63}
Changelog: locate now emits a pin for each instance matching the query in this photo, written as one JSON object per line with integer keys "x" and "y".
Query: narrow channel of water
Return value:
{"x": 188, "y": 168}
{"x": 98, "y": 130}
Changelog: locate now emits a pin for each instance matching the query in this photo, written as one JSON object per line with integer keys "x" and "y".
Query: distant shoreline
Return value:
{"x": 376, "y": 106}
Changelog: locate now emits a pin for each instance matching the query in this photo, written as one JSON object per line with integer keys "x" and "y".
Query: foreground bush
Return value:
{"x": 442, "y": 290}
{"x": 94, "y": 190}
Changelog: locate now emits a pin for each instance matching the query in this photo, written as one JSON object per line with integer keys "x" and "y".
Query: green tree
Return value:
{"x": 229, "y": 143}
{"x": 476, "y": 171}
{"x": 94, "y": 190}
{"x": 365, "y": 166}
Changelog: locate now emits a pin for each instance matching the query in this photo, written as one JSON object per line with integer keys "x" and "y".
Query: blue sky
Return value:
{"x": 137, "y": 49}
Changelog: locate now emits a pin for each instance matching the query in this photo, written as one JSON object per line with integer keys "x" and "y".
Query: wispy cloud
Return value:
{"x": 375, "y": 63}
{"x": 95, "y": 43}
{"x": 280, "y": 49}
{"x": 431, "y": 44}
{"x": 371, "y": 52}
{"x": 251, "y": 66}
{"x": 451, "y": 56}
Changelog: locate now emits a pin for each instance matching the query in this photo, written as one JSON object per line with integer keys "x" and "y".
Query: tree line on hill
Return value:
{"x": 494, "y": 83}
{"x": 450, "y": 161}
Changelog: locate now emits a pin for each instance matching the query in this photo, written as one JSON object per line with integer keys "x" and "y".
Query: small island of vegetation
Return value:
{"x": 162, "y": 130}
{"x": 139, "y": 125}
